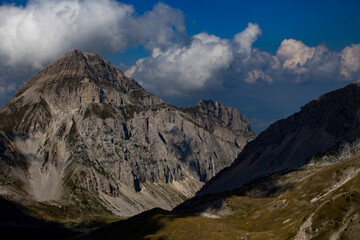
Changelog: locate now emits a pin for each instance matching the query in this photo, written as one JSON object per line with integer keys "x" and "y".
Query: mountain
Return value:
{"x": 299, "y": 179}
{"x": 290, "y": 143}
{"x": 81, "y": 139}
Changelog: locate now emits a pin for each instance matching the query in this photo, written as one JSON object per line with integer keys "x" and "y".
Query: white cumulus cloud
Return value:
{"x": 256, "y": 74}
{"x": 36, "y": 34}
{"x": 246, "y": 38}
{"x": 183, "y": 67}
{"x": 209, "y": 62}
{"x": 293, "y": 54}
{"x": 350, "y": 61}
{"x": 196, "y": 65}
{"x": 318, "y": 63}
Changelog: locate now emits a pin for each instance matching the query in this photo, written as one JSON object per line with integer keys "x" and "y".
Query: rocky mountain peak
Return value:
{"x": 79, "y": 78}
{"x": 81, "y": 124}
{"x": 78, "y": 63}
{"x": 228, "y": 115}
{"x": 207, "y": 102}
{"x": 210, "y": 107}
{"x": 75, "y": 65}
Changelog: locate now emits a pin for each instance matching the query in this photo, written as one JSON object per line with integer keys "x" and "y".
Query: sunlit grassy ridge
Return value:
{"x": 316, "y": 202}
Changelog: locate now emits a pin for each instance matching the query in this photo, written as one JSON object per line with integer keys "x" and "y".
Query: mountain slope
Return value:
{"x": 290, "y": 143}
{"x": 318, "y": 201}
{"x": 299, "y": 179}
{"x": 82, "y": 136}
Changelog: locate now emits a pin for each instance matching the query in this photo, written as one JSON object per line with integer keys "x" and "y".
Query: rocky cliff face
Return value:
{"x": 291, "y": 143}
{"x": 80, "y": 134}
{"x": 213, "y": 117}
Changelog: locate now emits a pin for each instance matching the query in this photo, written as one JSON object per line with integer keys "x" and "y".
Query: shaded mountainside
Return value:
{"x": 318, "y": 201}
{"x": 290, "y": 143}
{"x": 15, "y": 223}
{"x": 83, "y": 137}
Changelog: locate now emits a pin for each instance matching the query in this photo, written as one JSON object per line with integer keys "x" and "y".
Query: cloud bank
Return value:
{"x": 46, "y": 29}
{"x": 209, "y": 62}
{"x": 187, "y": 67}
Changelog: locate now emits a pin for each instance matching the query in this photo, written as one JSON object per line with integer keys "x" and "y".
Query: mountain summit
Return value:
{"x": 87, "y": 76}
{"x": 83, "y": 136}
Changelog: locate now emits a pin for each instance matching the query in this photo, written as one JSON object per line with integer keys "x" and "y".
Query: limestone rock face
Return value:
{"x": 331, "y": 120}
{"x": 213, "y": 116}
{"x": 81, "y": 133}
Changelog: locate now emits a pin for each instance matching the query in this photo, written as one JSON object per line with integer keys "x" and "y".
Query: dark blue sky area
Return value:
{"x": 334, "y": 22}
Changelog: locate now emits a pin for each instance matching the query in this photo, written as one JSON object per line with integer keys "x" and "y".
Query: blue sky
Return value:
{"x": 335, "y": 23}
{"x": 265, "y": 58}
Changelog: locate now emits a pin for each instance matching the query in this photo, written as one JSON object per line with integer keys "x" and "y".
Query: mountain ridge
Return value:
{"x": 315, "y": 128}
{"x": 86, "y": 135}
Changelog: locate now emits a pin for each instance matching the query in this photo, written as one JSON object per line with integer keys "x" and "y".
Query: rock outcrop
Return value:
{"x": 80, "y": 133}
{"x": 213, "y": 116}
